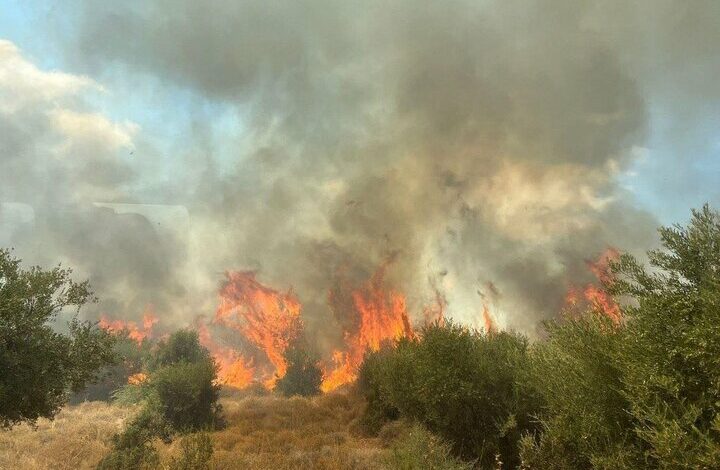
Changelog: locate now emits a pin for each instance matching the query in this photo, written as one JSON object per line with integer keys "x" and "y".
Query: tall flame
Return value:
{"x": 488, "y": 322}
{"x": 593, "y": 295}
{"x": 381, "y": 315}
{"x": 233, "y": 369}
{"x": 267, "y": 318}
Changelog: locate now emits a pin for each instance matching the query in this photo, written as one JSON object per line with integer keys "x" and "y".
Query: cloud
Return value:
{"x": 58, "y": 157}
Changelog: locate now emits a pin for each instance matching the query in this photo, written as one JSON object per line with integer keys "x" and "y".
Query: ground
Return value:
{"x": 263, "y": 432}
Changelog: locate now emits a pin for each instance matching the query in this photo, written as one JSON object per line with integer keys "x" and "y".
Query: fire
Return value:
{"x": 267, "y": 318}
{"x": 435, "y": 313}
{"x": 138, "y": 333}
{"x": 596, "y": 296}
{"x": 381, "y": 315}
{"x": 233, "y": 369}
{"x": 137, "y": 379}
{"x": 488, "y": 322}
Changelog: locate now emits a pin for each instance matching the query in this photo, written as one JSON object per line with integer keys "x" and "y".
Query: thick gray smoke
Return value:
{"x": 480, "y": 142}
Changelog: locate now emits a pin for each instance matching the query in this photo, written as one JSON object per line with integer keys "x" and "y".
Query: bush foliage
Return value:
{"x": 303, "y": 376}
{"x": 39, "y": 366}
{"x": 645, "y": 393}
{"x": 180, "y": 396}
{"x": 593, "y": 393}
{"x": 460, "y": 384}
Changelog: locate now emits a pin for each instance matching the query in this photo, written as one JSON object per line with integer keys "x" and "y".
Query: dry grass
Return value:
{"x": 270, "y": 432}
{"x": 263, "y": 432}
{"x": 77, "y": 438}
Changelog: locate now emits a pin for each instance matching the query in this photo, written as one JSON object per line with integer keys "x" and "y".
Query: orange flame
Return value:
{"x": 233, "y": 369}
{"x": 597, "y": 297}
{"x": 268, "y": 319}
{"x": 381, "y": 315}
{"x": 488, "y": 322}
{"x": 137, "y": 379}
{"x": 134, "y": 331}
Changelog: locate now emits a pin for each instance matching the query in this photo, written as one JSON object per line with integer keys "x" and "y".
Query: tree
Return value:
{"x": 644, "y": 393}
{"x": 39, "y": 366}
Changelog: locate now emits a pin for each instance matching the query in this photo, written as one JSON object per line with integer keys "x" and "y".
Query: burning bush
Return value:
{"x": 461, "y": 384}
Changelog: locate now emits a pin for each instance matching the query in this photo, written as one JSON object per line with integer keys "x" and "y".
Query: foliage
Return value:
{"x": 38, "y": 365}
{"x": 418, "y": 449}
{"x": 180, "y": 396}
{"x": 187, "y": 395}
{"x": 460, "y": 384}
{"x": 183, "y": 346}
{"x": 197, "y": 450}
{"x": 133, "y": 449}
{"x": 131, "y": 358}
{"x": 303, "y": 376}
{"x": 646, "y": 393}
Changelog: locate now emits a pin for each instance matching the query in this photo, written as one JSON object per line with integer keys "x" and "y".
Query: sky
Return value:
{"x": 491, "y": 148}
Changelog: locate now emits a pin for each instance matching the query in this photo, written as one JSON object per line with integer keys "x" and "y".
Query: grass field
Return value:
{"x": 263, "y": 432}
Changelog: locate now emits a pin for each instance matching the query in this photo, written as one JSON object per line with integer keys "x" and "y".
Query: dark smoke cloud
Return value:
{"x": 478, "y": 142}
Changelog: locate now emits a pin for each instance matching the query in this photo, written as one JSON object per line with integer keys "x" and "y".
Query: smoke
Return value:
{"x": 479, "y": 143}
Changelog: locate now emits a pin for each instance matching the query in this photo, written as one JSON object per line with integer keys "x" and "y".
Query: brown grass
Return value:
{"x": 76, "y": 439}
{"x": 270, "y": 432}
{"x": 263, "y": 432}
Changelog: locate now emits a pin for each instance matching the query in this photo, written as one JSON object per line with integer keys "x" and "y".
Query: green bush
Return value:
{"x": 461, "y": 384}
{"x": 183, "y": 346}
{"x": 303, "y": 376}
{"x": 187, "y": 395}
{"x": 180, "y": 395}
{"x": 418, "y": 449}
{"x": 133, "y": 449}
{"x": 131, "y": 358}
{"x": 644, "y": 393}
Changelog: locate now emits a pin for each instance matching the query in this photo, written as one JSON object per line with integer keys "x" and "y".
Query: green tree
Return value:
{"x": 39, "y": 366}
{"x": 644, "y": 393}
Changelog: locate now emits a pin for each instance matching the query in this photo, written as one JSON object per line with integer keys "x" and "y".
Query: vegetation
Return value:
{"x": 303, "y": 376}
{"x": 39, "y": 366}
{"x": 594, "y": 392}
{"x": 418, "y": 449}
{"x": 646, "y": 393}
{"x": 460, "y": 384}
{"x": 131, "y": 359}
{"x": 180, "y": 396}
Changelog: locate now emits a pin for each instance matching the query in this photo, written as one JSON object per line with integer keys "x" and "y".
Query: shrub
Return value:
{"x": 644, "y": 393}
{"x": 197, "y": 450}
{"x": 418, "y": 449}
{"x": 461, "y": 384}
{"x": 133, "y": 449}
{"x": 187, "y": 395}
{"x": 183, "y": 346}
{"x": 303, "y": 376}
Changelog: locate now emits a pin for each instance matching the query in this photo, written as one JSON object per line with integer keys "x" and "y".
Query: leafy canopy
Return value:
{"x": 38, "y": 365}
